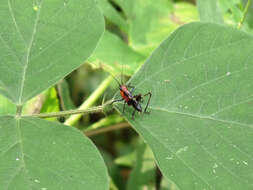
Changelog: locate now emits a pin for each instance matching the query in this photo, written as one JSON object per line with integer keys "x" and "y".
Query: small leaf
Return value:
{"x": 126, "y": 160}
{"x": 115, "y": 55}
{"x": 112, "y": 14}
{"x": 200, "y": 126}
{"x": 51, "y": 103}
{"x": 38, "y": 154}
{"x": 149, "y": 24}
{"x": 225, "y": 5}
{"x": 143, "y": 174}
{"x": 6, "y": 106}
{"x": 64, "y": 95}
{"x": 42, "y": 41}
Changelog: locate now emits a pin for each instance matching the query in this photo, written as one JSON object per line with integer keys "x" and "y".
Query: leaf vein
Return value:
{"x": 28, "y": 53}
{"x": 202, "y": 117}
{"x": 14, "y": 20}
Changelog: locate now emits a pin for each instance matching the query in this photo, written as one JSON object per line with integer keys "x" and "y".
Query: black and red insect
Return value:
{"x": 130, "y": 99}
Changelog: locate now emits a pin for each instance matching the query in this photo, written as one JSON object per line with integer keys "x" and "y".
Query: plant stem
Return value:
{"x": 104, "y": 122}
{"x": 107, "y": 129}
{"x": 68, "y": 112}
{"x": 244, "y": 14}
{"x": 90, "y": 101}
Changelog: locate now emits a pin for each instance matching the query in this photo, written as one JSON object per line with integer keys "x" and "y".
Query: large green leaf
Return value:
{"x": 38, "y": 154}
{"x": 42, "y": 41}
{"x": 200, "y": 126}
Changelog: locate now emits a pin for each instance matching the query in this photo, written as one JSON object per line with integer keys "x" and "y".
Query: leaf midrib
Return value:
{"x": 23, "y": 76}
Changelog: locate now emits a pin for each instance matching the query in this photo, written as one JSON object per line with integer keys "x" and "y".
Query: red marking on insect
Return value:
{"x": 130, "y": 99}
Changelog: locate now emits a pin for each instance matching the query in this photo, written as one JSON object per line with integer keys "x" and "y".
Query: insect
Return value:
{"x": 130, "y": 99}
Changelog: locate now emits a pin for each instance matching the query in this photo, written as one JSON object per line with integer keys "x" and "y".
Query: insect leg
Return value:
{"x": 138, "y": 98}
{"x": 124, "y": 107}
{"x": 133, "y": 114}
{"x": 149, "y": 93}
{"x": 132, "y": 88}
{"x": 119, "y": 100}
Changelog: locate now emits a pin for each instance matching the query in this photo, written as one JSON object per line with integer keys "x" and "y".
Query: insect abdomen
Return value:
{"x": 137, "y": 106}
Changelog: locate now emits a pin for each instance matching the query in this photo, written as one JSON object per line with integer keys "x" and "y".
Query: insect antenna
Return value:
{"x": 116, "y": 79}
{"x": 121, "y": 76}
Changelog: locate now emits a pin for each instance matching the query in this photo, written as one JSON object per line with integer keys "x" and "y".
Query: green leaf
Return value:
{"x": 115, "y": 55}
{"x": 42, "y": 41}
{"x": 126, "y": 6}
{"x": 51, "y": 103}
{"x": 112, "y": 14}
{"x": 6, "y": 106}
{"x": 63, "y": 90}
{"x": 144, "y": 173}
{"x": 200, "y": 126}
{"x": 113, "y": 170}
{"x": 249, "y": 17}
{"x": 209, "y": 11}
{"x": 38, "y": 154}
{"x": 150, "y": 24}
{"x": 129, "y": 6}
{"x": 225, "y": 5}
{"x": 126, "y": 160}
{"x": 184, "y": 13}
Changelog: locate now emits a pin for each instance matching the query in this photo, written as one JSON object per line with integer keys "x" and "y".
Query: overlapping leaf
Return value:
{"x": 200, "y": 126}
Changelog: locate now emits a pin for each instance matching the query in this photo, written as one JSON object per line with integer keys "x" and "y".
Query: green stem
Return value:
{"x": 106, "y": 129}
{"x": 244, "y": 14}
{"x": 90, "y": 101}
{"x": 104, "y": 122}
{"x": 69, "y": 112}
